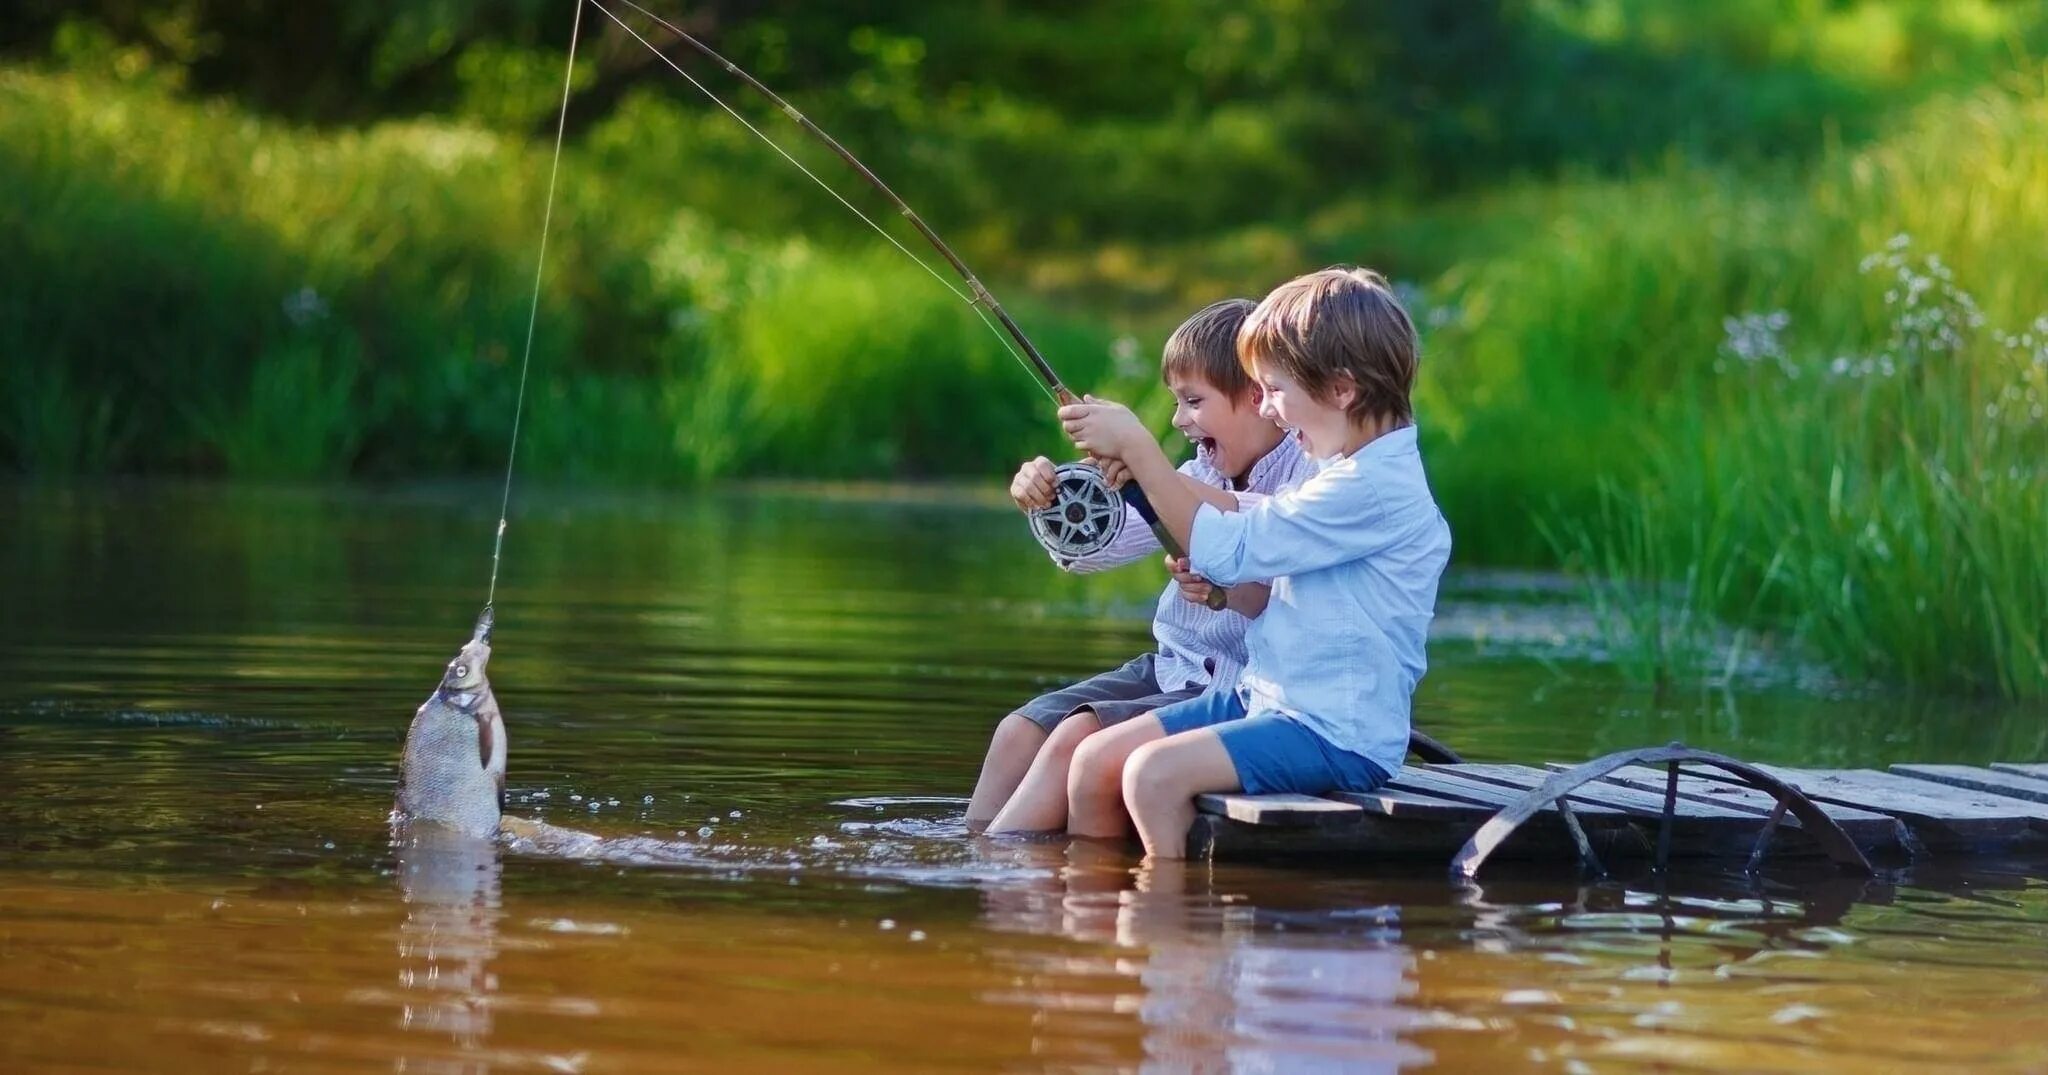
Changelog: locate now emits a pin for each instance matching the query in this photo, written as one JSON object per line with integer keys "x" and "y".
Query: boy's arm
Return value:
{"x": 1173, "y": 500}
{"x": 1333, "y": 518}
{"x": 1222, "y": 499}
{"x": 1247, "y": 599}
{"x": 1111, "y": 431}
{"x": 1136, "y": 540}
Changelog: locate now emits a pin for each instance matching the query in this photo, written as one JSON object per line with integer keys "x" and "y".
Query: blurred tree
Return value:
{"x": 1078, "y": 119}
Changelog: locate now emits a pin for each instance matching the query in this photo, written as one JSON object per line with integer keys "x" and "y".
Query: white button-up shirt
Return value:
{"x": 1198, "y": 646}
{"x": 1354, "y": 554}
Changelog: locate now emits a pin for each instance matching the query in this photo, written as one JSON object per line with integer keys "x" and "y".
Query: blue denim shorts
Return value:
{"x": 1272, "y": 752}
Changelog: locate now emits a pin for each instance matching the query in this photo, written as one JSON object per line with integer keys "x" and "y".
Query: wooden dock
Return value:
{"x": 1468, "y": 812}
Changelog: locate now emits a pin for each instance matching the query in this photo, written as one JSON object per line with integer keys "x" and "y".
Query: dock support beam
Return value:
{"x": 1832, "y": 840}
{"x": 1431, "y": 750}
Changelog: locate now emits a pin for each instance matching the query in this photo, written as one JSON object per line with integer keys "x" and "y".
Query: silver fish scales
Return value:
{"x": 453, "y": 770}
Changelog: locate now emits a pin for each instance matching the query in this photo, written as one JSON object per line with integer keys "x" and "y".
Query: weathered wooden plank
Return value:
{"x": 1419, "y": 808}
{"x": 1364, "y": 836}
{"x": 1438, "y": 781}
{"x": 1937, "y": 816}
{"x": 1287, "y": 811}
{"x": 1338, "y": 806}
{"x": 2036, "y": 769}
{"x": 1697, "y": 829}
{"x": 1612, "y": 832}
{"x": 1711, "y": 786}
{"x": 1622, "y": 797}
{"x": 1868, "y": 829}
{"x": 1975, "y": 779}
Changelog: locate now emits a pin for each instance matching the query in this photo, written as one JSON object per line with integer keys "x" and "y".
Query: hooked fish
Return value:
{"x": 453, "y": 770}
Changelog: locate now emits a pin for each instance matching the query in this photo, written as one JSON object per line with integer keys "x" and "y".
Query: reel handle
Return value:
{"x": 1218, "y": 598}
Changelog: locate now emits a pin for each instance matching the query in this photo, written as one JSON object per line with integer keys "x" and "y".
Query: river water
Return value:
{"x": 771, "y": 702}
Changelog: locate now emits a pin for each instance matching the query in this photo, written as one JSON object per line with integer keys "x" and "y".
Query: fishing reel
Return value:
{"x": 1085, "y": 517}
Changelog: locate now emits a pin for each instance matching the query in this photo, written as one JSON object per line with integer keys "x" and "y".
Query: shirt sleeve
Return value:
{"x": 1331, "y": 519}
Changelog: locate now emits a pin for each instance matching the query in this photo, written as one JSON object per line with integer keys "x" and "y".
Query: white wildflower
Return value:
{"x": 304, "y": 306}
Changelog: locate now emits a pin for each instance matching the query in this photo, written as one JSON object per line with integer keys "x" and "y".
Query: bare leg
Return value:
{"x": 1161, "y": 780}
{"x": 1095, "y": 803}
{"x": 1040, "y": 802}
{"x": 1010, "y": 751}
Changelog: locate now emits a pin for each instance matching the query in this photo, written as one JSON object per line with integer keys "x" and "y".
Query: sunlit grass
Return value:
{"x": 1882, "y": 507}
{"x": 172, "y": 266}
{"x": 1596, "y": 333}
{"x": 188, "y": 289}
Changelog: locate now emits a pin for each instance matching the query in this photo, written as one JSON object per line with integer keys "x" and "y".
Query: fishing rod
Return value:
{"x": 1086, "y": 514}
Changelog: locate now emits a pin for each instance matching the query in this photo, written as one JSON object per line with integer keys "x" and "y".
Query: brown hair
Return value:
{"x": 1340, "y": 321}
{"x": 1205, "y": 346}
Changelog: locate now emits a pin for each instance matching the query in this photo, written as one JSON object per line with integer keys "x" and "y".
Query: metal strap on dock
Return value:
{"x": 1817, "y": 824}
{"x": 1431, "y": 750}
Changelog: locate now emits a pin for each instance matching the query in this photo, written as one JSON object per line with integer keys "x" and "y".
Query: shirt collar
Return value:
{"x": 1393, "y": 442}
{"x": 1275, "y": 464}
{"x": 1387, "y": 445}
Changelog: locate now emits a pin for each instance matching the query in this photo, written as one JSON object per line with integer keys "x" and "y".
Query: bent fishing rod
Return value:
{"x": 1086, "y": 514}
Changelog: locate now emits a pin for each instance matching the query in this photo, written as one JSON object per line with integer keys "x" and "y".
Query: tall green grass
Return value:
{"x": 1568, "y": 358}
{"x": 1882, "y": 508}
{"x": 186, "y": 288}
{"x": 1684, "y": 387}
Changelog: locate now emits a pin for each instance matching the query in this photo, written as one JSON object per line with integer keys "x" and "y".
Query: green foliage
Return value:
{"x": 1580, "y": 192}
{"x": 1752, "y": 470}
{"x": 1662, "y": 578}
{"x": 192, "y": 290}
{"x": 298, "y": 416}
{"x": 1052, "y": 125}
{"x": 49, "y": 424}
{"x": 1884, "y": 506}
{"x": 1559, "y": 359}
{"x": 848, "y": 372}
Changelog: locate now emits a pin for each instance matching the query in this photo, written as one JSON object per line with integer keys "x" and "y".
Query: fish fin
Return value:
{"x": 483, "y": 740}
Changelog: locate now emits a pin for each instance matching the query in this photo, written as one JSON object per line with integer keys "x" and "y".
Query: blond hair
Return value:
{"x": 1205, "y": 346}
{"x": 1339, "y": 322}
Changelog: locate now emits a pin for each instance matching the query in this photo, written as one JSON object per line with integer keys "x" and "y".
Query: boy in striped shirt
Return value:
{"x": 1023, "y": 784}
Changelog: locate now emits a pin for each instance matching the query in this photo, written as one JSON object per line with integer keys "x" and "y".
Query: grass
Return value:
{"x": 188, "y": 289}
{"x": 207, "y": 292}
{"x": 1882, "y": 509}
{"x": 1564, "y": 359}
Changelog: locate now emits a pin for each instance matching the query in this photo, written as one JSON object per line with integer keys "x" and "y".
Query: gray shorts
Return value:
{"x": 1114, "y": 696}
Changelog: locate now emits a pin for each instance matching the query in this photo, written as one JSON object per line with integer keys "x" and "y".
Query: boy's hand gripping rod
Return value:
{"x": 1086, "y": 514}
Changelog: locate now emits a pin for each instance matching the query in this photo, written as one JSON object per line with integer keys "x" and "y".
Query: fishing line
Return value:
{"x": 533, "y": 312}
{"x": 972, "y": 300}
{"x": 1086, "y": 513}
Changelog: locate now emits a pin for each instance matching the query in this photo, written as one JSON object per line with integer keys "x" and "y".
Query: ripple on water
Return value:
{"x": 773, "y": 704}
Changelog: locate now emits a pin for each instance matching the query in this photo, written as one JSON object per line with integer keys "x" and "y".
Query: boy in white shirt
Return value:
{"x": 1353, "y": 553}
{"x": 1023, "y": 783}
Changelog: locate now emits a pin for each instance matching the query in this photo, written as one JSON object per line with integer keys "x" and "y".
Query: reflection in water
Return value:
{"x": 1247, "y": 970}
{"x": 1216, "y": 988}
{"x": 453, "y": 902}
{"x": 738, "y": 718}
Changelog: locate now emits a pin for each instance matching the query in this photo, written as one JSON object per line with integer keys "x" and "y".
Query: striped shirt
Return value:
{"x": 1199, "y": 646}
